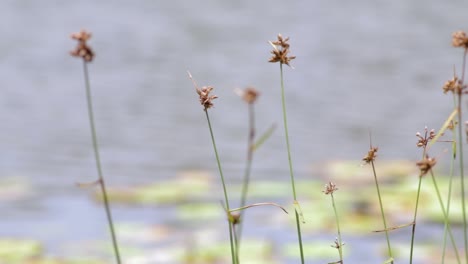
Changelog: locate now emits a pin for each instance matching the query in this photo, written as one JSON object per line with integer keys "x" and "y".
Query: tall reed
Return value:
{"x": 280, "y": 54}
{"x": 86, "y": 53}
{"x": 460, "y": 39}
{"x": 450, "y": 126}
{"x": 206, "y": 100}
{"x": 330, "y": 188}
{"x": 249, "y": 95}
{"x": 370, "y": 158}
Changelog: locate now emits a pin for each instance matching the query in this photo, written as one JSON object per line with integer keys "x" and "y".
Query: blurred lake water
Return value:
{"x": 361, "y": 65}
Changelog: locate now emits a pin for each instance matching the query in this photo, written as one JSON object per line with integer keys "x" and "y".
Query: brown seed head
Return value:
{"x": 371, "y": 155}
{"x": 459, "y": 39}
{"x": 249, "y": 95}
{"x": 280, "y": 51}
{"x": 337, "y": 245}
{"x": 82, "y": 49}
{"x": 330, "y": 188}
{"x": 454, "y": 85}
{"x": 423, "y": 141}
{"x": 234, "y": 218}
{"x": 425, "y": 165}
{"x": 452, "y": 124}
{"x": 206, "y": 100}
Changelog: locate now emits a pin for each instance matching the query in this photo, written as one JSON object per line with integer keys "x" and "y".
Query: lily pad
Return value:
{"x": 200, "y": 212}
{"x": 17, "y": 251}
{"x": 251, "y": 252}
{"x": 186, "y": 187}
{"x": 320, "y": 250}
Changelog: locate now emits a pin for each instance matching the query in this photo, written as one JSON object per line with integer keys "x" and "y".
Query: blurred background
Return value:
{"x": 361, "y": 65}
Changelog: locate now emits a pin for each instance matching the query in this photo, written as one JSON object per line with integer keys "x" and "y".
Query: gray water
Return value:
{"x": 360, "y": 65}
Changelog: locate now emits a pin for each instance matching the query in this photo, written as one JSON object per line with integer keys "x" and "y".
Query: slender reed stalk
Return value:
{"x": 460, "y": 147}
{"x": 460, "y": 39}
{"x": 291, "y": 172}
{"x": 280, "y": 54}
{"x": 206, "y": 100}
{"x": 249, "y": 95}
{"x": 330, "y": 188}
{"x": 413, "y": 230}
{"x": 449, "y": 196}
{"x": 226, "y": 200}
{"x": 369, "y": 159}
{"x": 98, "y": 164}
{"x": 86, "y": 53}
{"x": 382, "y": 211}
{"x": 446, "y": 220}
{"x": 422, "y": 142}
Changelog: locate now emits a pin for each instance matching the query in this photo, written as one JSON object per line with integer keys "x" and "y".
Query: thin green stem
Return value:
{"x": 98, "y": 162}
{"x": 449, "y": 196}
{"x": 340, "y": 241}
{"x": 285, "y": 121}
{"x": 231, "y": 235}
{"x": 446, "y": 221}
{"x": 413, "y": 230}
{"x": 248, "y": 169}
{"x": 460, "y": 146}
{"x": 382, "y": 211}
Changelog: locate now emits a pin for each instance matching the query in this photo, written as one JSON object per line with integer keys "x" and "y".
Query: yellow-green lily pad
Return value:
{"x": 17, "y": 250}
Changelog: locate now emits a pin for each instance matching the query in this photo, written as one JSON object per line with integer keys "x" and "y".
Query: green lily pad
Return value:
{"x": 265, "y": 189}
{"x": 353, "y": 173}
{"x": 186, "y": 187}
{"x": 251, "y": 252}
{"x": 320, "y": 250}
{"x": 12, "y": 189}
{"x": 17, "y": 251}
{"x": 200, "y": 211}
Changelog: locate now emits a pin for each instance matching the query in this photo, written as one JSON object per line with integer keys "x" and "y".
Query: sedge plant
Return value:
{"x": 206, "y": 100}
{"x": 85, "y": 52}
{"x": 330, "y": 188}
{"x": 280, "y": 54}
{"x": 369, "y": 159}
{"x": 249, "y": 95}
{"x": 425, "y": 166}
{"x": 460, "y": 39}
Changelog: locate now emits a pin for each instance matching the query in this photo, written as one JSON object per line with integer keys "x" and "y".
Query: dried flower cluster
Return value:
{"x": 452, "y": 124}
{"x": 371, "y": 155}
{"x": 82, "y": 49}
{"x": 423, "y": 141}
{"x": 330, "y": 188}
{"x": 337, "y": 244}
{"x": 459, "y": 39}
{"x": 454, "y": 85}
{"x": 206, "y": 100}
{"x": 280, "y": 51}
{"x": 234, "y": 218}
{"x": 249, "y": 95}
{"x": 425, "y": 165}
